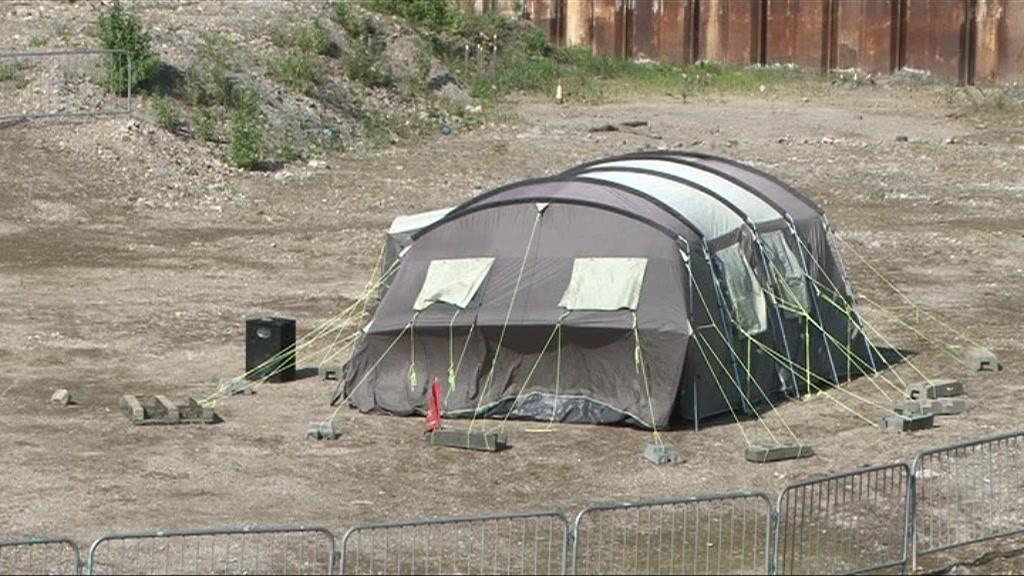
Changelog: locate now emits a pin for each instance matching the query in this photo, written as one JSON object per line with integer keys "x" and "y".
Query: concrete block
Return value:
{"x": 329, "y": 372}
{"x": 662, "y": 454}
{"x": 169, "y": 410}
{"x": 981, "y": 360}
{"x": 61, "y": 396}
{"x": 949, "y": 406}
{"x": 937, "y": 407}
{"x": 159, "y": 410}
{"x": 470, "y": 440}
{"x": 908, "y": 422}
{"x": 132, "y": 408}
{"x": 937, "y": 389}
{"x": 775, "y": 452}
{"x": 321, "y": 430}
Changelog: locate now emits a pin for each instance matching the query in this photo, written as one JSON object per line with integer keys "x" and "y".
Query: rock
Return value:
{"x": 61, "y": 396}
{"x": 316, "y": 163}
{"x": 902, "y": 138}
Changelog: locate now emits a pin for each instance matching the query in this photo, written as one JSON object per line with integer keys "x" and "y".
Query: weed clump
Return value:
{"x": 135, "y": 62}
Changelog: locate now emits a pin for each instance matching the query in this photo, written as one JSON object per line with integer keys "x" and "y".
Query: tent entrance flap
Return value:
{"x": 453, "y": 282}
{"x": 604, "y": 284}
{"x": 745, "y": 291}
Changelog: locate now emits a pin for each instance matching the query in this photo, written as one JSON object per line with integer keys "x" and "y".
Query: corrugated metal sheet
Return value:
{"x": 865, "y": 35}
{"x": 957, "y": 40}
{"x": 934, "y": 37}
{"x": 730, "y": 31}
{"x": 798, "y": 32}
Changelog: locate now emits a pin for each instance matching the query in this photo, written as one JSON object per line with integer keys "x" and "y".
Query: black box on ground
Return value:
{"x": 270, "y": 348}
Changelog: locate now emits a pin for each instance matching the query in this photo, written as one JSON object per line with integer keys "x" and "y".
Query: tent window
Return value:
{"x": 453, "y": 282}
{"x": 604, "y": 284}
{"x": 748, "y": 303}
{"x": 787, "y": 264}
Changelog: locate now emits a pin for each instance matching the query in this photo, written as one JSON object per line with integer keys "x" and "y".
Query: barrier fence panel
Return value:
{"x": 39, "y": 556}
{"x": 968, "y": 493}
{"x": 845, "y": 523}
{"x": 64, "y": 83}
{"x": 720, "y": 534}
{"x": 522, "y": 543}
{"x": 283, "y": 550}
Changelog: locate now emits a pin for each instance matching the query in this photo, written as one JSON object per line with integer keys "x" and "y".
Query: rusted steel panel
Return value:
{"x": 999, "y": 41}
{"x": 675, "y": 32}
{"x": 864, "y": 31}
{"x": 934, "y": 37}
{"x": 797, "y": 32}
{"x": 546, "y": 16}
{"x": 609, "y": 28}
{"x": 730, "y": 31}
{"x": 577, "y": 22}
{"x": 646, "y": 26}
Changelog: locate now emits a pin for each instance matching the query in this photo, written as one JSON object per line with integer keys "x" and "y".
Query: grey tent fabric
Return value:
{"x": 534, "y": 336}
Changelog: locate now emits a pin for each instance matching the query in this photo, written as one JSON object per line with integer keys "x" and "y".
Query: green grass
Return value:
{"x": 122, "y": 30}
{"x": 999, "y": 100}
{"x": 38, "y": 41}
{"x": 208, "y": 81}
{"x": 13, "y": 73}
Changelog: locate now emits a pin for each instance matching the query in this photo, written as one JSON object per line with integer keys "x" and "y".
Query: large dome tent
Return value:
{"x": 646, "y": 289}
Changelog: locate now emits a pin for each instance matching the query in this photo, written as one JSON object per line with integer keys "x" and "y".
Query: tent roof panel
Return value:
{"x": 755, "y": 208}
{"x": 711, "y": 215}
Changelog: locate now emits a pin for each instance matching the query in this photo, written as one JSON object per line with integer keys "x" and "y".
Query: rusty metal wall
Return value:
{"x": 865, "y": 35}
{"x": 999, "y": 35}
{"x": 730, "y": 31}
{"x": 934, "y": 35}
{"x": 963, "y": 41}
{"x": 798, "y": 32}
{"x": 662, "y": 30}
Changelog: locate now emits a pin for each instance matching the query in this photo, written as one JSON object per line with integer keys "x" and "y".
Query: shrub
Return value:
{"x": 166, "y": 114}
{"x": 122, "y": 30}
{"x": 437, "y": 15}
{"x": 204, "y": 124}
{"x": 246, "y": 132}
{"x": 367, "y": 62}
{"x": 347, "y": 18}
{"x": 299, "y": 69}
{"x": 208, "y": 82}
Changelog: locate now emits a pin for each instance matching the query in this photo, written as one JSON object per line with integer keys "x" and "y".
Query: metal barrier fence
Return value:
{"x": 968, "y": 493}
{"x": 845, "y": 523}
{"x": 721, "y": 534}
{"x": 523, "y": 543}
{"x": 39, "y": 556}
{"x": 64, "y": 83}
{"x": 282, "y": 550}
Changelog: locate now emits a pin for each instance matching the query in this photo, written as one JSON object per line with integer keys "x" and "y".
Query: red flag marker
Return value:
{"x": 434, "y": 407}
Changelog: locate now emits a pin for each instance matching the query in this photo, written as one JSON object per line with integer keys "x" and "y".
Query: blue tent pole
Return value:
{"x": 726, "y": 328}
{"x": 813, "y": 292}
{"x": 778, "y": 314}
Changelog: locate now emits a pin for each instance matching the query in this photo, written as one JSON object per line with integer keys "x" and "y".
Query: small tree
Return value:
{"x": 121, "y": 30}
{"x": 246, "y": 132}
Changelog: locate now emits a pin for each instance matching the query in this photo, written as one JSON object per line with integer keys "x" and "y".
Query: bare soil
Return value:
{"x": 115, "y": 279}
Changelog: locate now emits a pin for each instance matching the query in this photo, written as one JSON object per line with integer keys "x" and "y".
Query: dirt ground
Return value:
{"x": 114, "y": 280}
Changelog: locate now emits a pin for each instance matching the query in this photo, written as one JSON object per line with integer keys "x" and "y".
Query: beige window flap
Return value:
{"x": 454, "y": 281}
{"x": 604, "y": 284}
